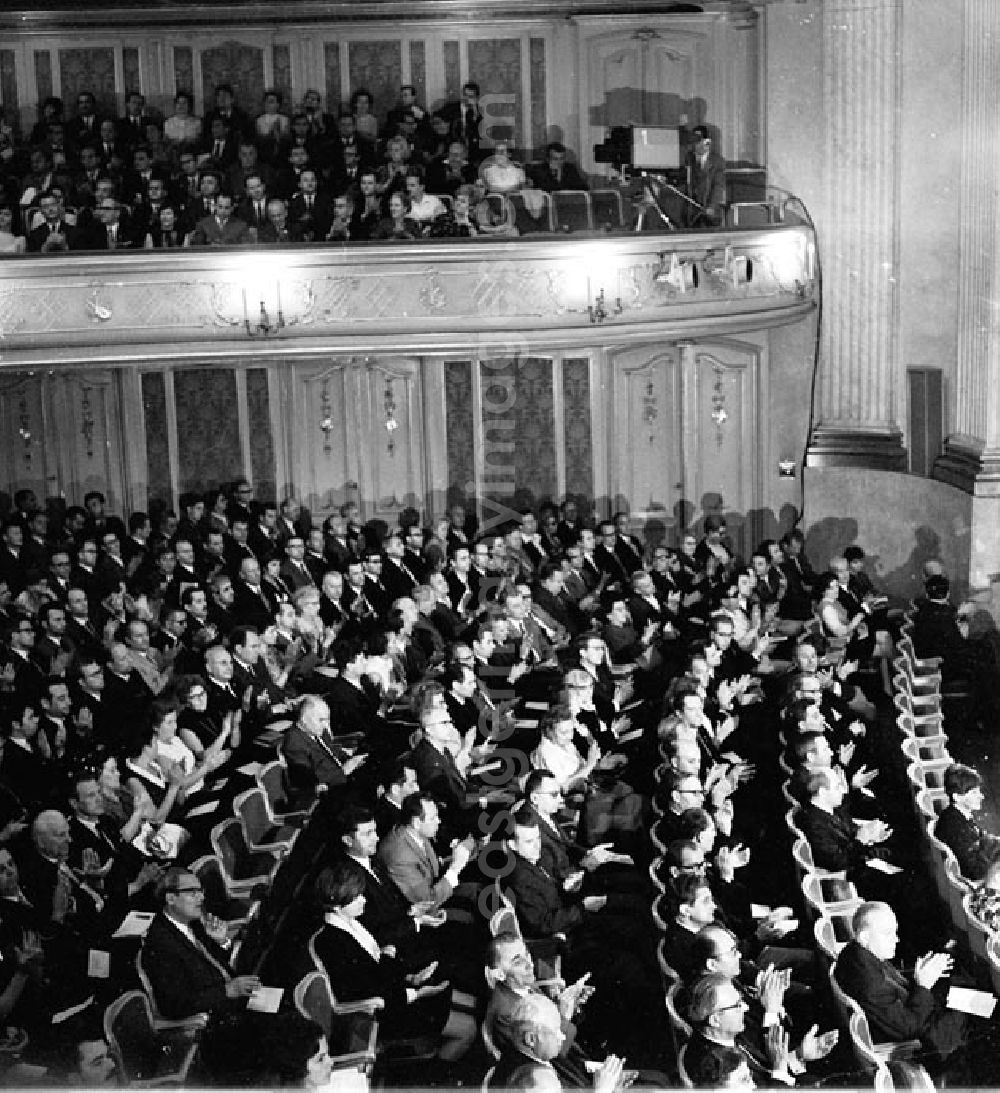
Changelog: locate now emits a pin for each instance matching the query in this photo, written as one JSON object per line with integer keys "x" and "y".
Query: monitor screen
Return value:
{"x": 656, "y": 148}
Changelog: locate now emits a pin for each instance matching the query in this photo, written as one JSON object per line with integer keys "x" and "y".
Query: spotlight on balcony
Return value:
{"x": 681, "y": 276}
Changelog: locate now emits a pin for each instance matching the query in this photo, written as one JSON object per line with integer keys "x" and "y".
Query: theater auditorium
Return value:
{"x": 508, "y": 601}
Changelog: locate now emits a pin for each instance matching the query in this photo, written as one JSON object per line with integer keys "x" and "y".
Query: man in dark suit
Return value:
{"x": 465, "y": 118}
{"x": 236, "y": 120}
{"x": 898, "y": 1006}
{"x": 185, "y": 958}
{"x": 974, "y": 848}
{"x": 706, "y": 181}
{"x": 221, "y": 228}
{"x": 309, "y": 210}
{"x": 86, "y": 125}
{"x": 55, "y": 233}
{"x": 251, "y": 607}
{"x": 252, "y": 210}
{"x": 313, "y": 759}
{"x": 397, "y": 577}
{"x": 556, "y": 173}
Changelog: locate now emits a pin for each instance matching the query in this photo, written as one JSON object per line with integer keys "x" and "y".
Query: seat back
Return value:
{"x": 669, "y": 973}
{"x": 128, "y": 1028}
{"x": 209, "y": 872}
{"x": 273, "y": 780}
{"x": 572, "y": 211}
{"x": 680, "y": 1026}
{"x": 251, "y": 807}
{"x": 855, "y": 1023}
{"x": 240, "y": 863}
{"x": 751, "y": 214}
{"x": 608, "y": 209}
{"x": 524, "y": 219}
{"x": 314, "y": 1000}
{"x": 682, "y": 1073}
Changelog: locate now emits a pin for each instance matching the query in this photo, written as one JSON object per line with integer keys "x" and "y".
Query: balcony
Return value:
{"x": 577, "y": 289}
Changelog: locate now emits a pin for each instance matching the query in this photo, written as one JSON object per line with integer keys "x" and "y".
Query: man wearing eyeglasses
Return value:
{"x": 186, "y": 954}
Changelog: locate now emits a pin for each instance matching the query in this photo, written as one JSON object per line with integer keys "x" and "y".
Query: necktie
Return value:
{"x": 309, "y": 202}
{"x": 260, "y": 210}
{"x": 220, "y": 968}
{"x": 218, "y": 149}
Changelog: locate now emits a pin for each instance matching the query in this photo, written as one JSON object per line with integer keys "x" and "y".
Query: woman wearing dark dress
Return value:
{"x": 358, "y": 968}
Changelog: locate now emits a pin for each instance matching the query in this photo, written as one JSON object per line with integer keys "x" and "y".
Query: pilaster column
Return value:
{"x": 971, "y": 457}
{"x": 860, "y": 382}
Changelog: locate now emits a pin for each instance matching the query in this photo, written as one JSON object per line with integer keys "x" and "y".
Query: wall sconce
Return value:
{"x": 264, "y": 326}
{"x": 681, "y": 276}
{"x": 598, "y": 312}
{"x": 786, "y": 468}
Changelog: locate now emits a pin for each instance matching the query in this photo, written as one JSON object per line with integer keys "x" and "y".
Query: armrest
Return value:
{"x": 195, "y": 1023}
{"x": 368, "y": 1006}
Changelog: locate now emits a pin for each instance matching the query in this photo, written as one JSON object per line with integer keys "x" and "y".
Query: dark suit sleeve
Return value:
{"x": 831, "y": 849}
{"x": 182, "y": 983}
{"x": 895, "y": 1015}
{"x": 540, "y": 910}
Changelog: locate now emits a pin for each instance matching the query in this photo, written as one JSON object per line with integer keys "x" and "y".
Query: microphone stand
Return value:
{"x": 652, "y": 177}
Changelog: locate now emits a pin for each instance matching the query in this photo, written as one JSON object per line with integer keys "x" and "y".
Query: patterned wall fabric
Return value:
{"x": 452, "y": 72}
{"x": 458, "y": 426}
{"x": 8, "y": 83}
{"x": 130, "y": 69}
{"x": 43, "y": 75}
{"x": 183, "y": 69}
{"x": 154, "y": 405}
{"x": 519, "y": 424}
{"x": 539, "y": 134}
{"x": 282, "y": 62}
{"x": 418, "y": 70}
{"x": 208, "y": 438}
{"x": 236, "y": 64}
{"x": 89, "y": 70}
{"x": 496, "y": 65}
{"x": 377, "y": 67}
{"x": 576, "y": 427}
{"x": 331, "y": 61}
{"x": 261, "y": 440}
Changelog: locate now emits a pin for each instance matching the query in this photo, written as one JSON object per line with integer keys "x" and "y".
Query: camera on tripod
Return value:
{"x": 633, "y": 149}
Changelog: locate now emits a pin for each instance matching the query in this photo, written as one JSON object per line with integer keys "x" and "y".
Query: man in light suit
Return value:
{"x": 408, "y": 854}
{"x": 221, "y": 228}
{"x": 315, "y": 763}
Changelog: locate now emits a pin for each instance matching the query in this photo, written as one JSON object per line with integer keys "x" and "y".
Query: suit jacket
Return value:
{"x": 974, "y": 848}
{"x": 560, "y": 855}
{"x": 251, "y": 608}
{"x": 315, "y": 222}
{"x": 831, "y": 838}
{"x": 312, "y": 762}
{"x": 209, "y": 232}
{"x": 569, "y": 178}
{"x": 543, "y": 908}
{"x": 386, "y": 914}
{"x": 413, "y": 866}
{"x": 185, "y": 981}
{"x": 897, "y": 1009}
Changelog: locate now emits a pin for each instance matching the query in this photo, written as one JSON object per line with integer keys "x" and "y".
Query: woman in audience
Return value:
{"x": 844, "y": 632}
{"x": 500, "y": 173}
{"x": 391, "y": 177}
{"x": 196, "y": 728}
{"x": 458, "y": 221}
{"x": 397, "y": 225}
{"x": 169, "y": 750}
{"x": 365, "y": 122}
{"x": 163, "y": 782}
{"x": 10, "y": 241}
{"x": 415, "y": 1005}
{"x": 182, "y": 127}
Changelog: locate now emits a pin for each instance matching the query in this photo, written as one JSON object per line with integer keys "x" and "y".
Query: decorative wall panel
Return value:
{"x": 154, "y": 407}
{"x": 8, "y": 83}
{"x": 208, "y": 438}
{"x": 539, "y": 120}
{"x": 418, "y": 70}
{"x": 392, "y": 465}
{"x": 331, "y": 68}
{"x": 577, "y": 427}
{"x": 130, "y": 69}
{"x": 497, "y": 66}
{"x": 324, "y": 444}
{"x": 282, "y": 82}
{"x": 84, "y": 417}
{"x": 89, "y": 70}
{"x": 261, "y": 439}
{"x": 43, "y": 75}
{"x": 518, "y": 431}
{"x": 452, "y": 71}
{"x": 377, "y": 67}
{"x": 183, "y": 69}
{"x": 237, "y": 64}
{"x": 459, "y": 430}
{"x": 22, "y": 432}
{"x": 645, "y": 445}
